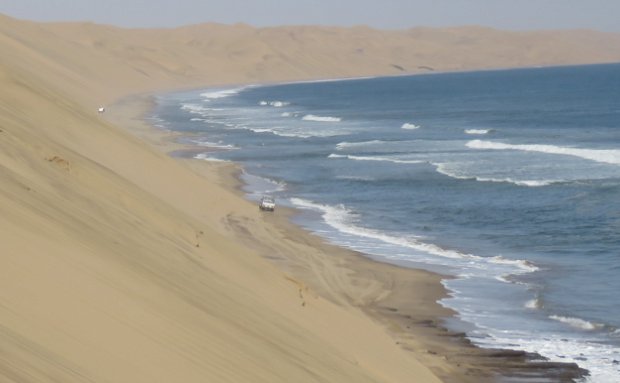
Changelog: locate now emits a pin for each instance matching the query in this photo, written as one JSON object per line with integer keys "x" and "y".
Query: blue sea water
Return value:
{"x": 507, "y": 180}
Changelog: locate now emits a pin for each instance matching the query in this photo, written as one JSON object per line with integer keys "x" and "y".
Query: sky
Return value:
{"x": 602, "y": 15}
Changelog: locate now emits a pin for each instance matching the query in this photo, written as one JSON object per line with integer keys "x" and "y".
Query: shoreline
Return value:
{"x": 404, "y": 301}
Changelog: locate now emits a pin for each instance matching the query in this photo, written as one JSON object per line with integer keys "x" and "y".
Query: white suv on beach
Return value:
{"x": 267, "y": 204}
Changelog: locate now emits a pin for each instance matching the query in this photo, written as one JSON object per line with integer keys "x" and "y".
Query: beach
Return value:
{"x": 124, "y": 260}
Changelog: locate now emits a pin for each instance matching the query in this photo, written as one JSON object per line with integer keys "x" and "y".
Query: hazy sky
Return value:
{"x": 386, "y": 14}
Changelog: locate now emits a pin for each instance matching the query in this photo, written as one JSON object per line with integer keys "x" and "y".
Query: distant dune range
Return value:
{"x": 118, "y": 61}
{"x": 119, "y": 263}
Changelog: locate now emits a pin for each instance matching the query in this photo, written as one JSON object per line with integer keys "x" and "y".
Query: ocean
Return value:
{"x": 507, "y": 180}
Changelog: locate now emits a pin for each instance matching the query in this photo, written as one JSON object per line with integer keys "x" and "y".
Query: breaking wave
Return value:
{"x": 295, "y": 133}
{"x": 408, "y": 126}
{"x": 478, "y": 131}
{"x": 344, "y": 220}
{"x": 443, "y": 169}
{"x": 275, "y": 104}
{"x": 609, "y": 156}
{"x": 384, "y": 159}
{"x": 217, "y": 145}
{"x": 529, "y": 183}
{"x": 577, "y": 323}
{"x": 312, "y": 117}
{"x": 599, "y": 359}
{"x": 345, "y": 145}
{"x": 533, "y": 304}
{"x": 222, "y": 93}
{"x": 194, "y": 108}
{"x": 205, "y": 157}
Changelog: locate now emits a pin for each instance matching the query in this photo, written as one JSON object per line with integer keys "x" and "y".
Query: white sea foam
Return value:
{"x": 533, "y": 304}
{"x": 344, "y": 220}
{"x": 205, "y": 157}
{"x": 577, "y": 322}
{"x": 275, "y": 104}
{"x": 194, "y": 108}
{"x": 408, "y": 126}
{"x": 221, "y": 93}
{"x": 286, "y": 114}
{"x": 609, "y": 156}
{"x": 520, "y": 263}
{"x": 218, "y": 145}
{"x": 312, "y": 117}
{"x": 478, "y": 131}
{"x": 281, "y": 133}
{"x": 599, "y": 359}
{"x": 558, "y": 343}
{"x": 345, "y": 145}
{"x": 530, "y": 183}
{"x": 443, "y": 169}
{"x": 380, "y": 159}
{"x": 503, "y": 278}
{"x": 292, "y": 133}
{"x": 260, "y": 130}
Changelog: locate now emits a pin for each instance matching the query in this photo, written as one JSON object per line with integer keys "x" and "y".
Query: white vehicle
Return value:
{"x": 267, "y": 204}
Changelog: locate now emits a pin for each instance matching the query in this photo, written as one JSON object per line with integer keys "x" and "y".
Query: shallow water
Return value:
{"x": 508, "y": 180}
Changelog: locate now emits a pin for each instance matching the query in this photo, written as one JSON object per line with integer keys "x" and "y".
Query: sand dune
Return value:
{"x": 119, "y": 263}
{"x": 117, "y": 61}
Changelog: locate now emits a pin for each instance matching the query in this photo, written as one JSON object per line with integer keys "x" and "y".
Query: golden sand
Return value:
{"x": 122, "y": 264}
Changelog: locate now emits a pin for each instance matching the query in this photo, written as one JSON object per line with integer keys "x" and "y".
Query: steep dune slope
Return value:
{"x": 102, "y": 279}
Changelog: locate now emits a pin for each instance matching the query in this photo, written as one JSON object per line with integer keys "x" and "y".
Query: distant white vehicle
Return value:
{"x": 267, "y": 204}
{"x": 101, "y": 109}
